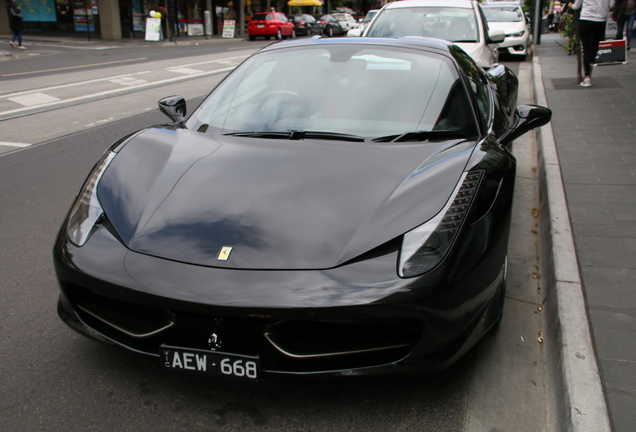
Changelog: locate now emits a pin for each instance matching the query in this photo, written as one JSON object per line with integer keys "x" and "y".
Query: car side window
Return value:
{"x": 478, "y": 86}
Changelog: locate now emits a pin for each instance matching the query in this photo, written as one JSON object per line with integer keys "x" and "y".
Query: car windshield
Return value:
{"x": 503, "y": 14}
{"x": 366, "y": 91}
{"x": 340, "y": 17}
{"x": 451, "y": 23}
{"x": 369, "y": 16}
{"x": 263, "y": 17}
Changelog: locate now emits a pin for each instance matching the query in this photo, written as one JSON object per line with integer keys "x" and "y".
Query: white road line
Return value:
{"x": 120, "y": 90}
{"x": 186, "y": 71}
{"x": 128, "y": 81}
{"x": 9, "y": 144}
{"x": 222, "y": 61}
{"x": 45, "y": 89}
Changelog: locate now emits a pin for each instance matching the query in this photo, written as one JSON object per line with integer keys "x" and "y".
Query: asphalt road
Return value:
{"x": 55, "y": 380}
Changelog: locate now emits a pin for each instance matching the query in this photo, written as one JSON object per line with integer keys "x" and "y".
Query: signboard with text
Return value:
{"x": 611, "y": 51}
{"x": 228, "y": 28}
{"x": 153, "y": 29}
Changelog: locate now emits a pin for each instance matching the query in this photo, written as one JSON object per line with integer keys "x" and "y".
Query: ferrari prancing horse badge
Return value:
{"x": 224, "y": 254}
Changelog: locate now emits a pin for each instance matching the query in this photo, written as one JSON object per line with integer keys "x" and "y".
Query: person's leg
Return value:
{"x": 585, "y": 34}
{"x": 619, "y": 26}
{"x": 19, "y": 34}
{"x": 597, "y": 35}
{"x": 628, "y": 30}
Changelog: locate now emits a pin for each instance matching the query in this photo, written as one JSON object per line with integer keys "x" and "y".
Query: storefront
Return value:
{"x": 61, "y": 17}
{"x": 126, "y": 19}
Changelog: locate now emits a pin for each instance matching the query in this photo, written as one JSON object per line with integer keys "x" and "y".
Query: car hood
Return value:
{"x": 279, "y": 204}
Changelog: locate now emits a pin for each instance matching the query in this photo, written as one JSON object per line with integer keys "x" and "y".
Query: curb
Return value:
{"x": 576, "y": 401}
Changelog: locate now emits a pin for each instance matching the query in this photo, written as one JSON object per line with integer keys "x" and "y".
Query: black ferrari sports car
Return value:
{"x": 334, "y": 206}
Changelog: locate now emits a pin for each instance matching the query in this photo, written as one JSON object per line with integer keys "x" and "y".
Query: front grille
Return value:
{"x": 284, "y": 342}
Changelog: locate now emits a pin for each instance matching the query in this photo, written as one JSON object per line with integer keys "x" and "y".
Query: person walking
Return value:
{"x": 15, "y": 23}
{"x": 624, "y": 13}
{"x": 591, "y": 31}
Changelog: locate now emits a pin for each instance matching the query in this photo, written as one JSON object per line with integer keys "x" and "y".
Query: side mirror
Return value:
{"x": 356, "y": 32}
{"x": 526, "y": 118}
{"x": 174, "y": 107}
{"x": 496, "y": 36}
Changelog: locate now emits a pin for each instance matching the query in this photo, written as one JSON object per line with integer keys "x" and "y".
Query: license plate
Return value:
{"x": 211, "y": 362}
{"x": 260, "y": 25}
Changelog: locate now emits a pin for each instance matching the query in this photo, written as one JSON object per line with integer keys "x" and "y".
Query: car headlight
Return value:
{"x": 425, "y": 246}
{"x": 87, "y": 210}
{"x": 521, "y": 33}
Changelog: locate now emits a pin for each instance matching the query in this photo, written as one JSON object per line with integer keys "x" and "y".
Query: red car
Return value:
{"x": 270, "y": 24}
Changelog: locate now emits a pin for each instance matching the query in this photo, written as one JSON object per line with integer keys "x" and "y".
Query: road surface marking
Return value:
{"x": 120, "y": 90}
{"x": 183, "y": 70}
{"x": 73, "y": 67}
{"x": 128, "y": 81}
{"x": 79, "y": 83}
{"x": 9, "y": 144}
{"x": 33, "y": 99}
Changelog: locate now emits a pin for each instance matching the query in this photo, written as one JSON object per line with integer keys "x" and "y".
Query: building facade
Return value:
{"x": 124, "y": 19}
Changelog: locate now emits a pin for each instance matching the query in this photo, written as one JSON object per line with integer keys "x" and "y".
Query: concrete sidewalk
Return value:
{"x": 595, "y": 137}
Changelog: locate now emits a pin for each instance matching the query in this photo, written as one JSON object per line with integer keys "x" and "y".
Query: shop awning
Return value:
{"x": 305, "y": 3}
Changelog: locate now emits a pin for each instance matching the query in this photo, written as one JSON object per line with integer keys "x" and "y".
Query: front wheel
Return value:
{"x": 330, "y": 32}
{"x": 279, "y": 35}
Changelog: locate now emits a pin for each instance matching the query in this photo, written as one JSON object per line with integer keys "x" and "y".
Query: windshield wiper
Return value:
{"x": 298, "y": 135}
{"x": 421, "y": 136}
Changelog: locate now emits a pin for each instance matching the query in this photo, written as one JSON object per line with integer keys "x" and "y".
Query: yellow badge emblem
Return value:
{"x": 224, "y": 254}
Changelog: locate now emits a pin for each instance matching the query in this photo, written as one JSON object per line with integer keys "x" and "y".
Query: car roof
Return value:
{"x": 424, "y": 3}
{"x": 417, "y": 42}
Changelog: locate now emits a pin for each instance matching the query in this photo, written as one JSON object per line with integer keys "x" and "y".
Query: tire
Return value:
{"x": 330, "y": 31}
{"x": 279, "y": 35}
{"x": 252, "y": 38}
{"x": 309, "y": 32}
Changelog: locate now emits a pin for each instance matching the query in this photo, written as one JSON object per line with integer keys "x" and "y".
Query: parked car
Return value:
{"x": 306, "y": 25}
{"x": 274, "y": 231}
{"x": 459, "y": 21}
{"x": 270, "y": 24}
{"x": 330, "y": 26}
{"x": 347, "y": 21}
{"x": 510, "y": 18}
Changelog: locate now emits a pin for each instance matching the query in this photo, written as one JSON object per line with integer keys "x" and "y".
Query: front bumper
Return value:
{"x": 305, "y": 322}
{"x": 515, "y": 45}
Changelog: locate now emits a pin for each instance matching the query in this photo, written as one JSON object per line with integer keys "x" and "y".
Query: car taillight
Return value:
{"x": 302, "y": 22}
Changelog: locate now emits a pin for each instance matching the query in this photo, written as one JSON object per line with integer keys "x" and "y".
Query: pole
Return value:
{"x": 537, "y": 21}
{"x": 87, "y": 4}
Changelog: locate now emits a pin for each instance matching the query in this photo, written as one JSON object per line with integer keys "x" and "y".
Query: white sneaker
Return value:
{"x": 586, "y": 82}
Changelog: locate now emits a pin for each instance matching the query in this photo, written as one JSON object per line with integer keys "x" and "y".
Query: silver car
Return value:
{"x": 509, "y": 18}
{"x": 459, "y": 21}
